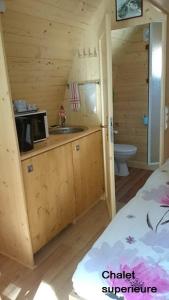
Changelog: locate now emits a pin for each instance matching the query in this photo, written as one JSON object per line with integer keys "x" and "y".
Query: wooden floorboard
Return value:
{"x": 56, "y": 263}
{"x": 128, "y": 186}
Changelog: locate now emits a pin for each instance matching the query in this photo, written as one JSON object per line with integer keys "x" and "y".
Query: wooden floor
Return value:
{"x": 127, "y": 186}
{"x": 57, "y": 269}
{"x": 56, "y": 262}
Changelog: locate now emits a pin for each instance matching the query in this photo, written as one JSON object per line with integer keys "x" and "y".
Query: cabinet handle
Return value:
{"x": 30, "y": 168}
{"x": 77, "y": 147}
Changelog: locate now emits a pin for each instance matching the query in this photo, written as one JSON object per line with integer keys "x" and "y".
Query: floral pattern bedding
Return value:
{"x": 136, "y": 240}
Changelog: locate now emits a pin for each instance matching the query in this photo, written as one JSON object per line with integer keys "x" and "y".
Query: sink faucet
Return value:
{"x": 62, "y": 116}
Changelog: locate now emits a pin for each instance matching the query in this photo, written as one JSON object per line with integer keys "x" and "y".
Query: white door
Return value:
{"x": 107, "y": 113}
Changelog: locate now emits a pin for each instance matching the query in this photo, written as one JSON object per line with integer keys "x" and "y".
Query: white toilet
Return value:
{"x": 122, "y": 153}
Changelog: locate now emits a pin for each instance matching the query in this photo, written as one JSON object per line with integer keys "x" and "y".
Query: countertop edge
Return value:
{"x": 56, "y": 144}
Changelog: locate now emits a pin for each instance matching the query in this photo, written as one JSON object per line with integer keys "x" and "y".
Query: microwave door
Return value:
{"x": 28, "y": 135}
{"x": 24, "y": 132}
{"x": 39, "y": 130}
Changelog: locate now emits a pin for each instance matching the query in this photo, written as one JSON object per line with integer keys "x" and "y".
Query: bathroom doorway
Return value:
{"x": 137, "y": 91}
{"x": 138, "y": 102}
{"x": 130, "y": 89}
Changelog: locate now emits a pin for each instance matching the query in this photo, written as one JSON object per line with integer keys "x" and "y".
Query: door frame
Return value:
{"x": 163, "y": 90}
{"x": 110, "y": 99}
{"x": 107, "y": 122}
{"x": 162, "y": 99}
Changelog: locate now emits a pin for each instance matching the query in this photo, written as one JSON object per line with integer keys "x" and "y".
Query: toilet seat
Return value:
{"x": 122, "y": 148}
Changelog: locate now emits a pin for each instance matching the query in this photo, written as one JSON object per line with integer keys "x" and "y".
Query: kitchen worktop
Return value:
{"x": 57, "y": 140}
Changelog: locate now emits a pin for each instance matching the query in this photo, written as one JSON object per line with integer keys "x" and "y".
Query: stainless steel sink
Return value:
{"x": 63, "y": 130}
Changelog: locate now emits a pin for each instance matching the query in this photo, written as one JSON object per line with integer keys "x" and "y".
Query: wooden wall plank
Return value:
{"x": 14, "y": 233}
{"x": 40, "y": 40}
{"x": 37, "y": 27}
{"x": 77, "y": 14}
{"x": 161, "y": 4}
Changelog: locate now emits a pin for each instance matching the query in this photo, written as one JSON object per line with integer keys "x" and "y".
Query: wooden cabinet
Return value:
{"x": 61, "y": 184}
{"x": 88, "y": 171}
{"x": 49, "y": 187}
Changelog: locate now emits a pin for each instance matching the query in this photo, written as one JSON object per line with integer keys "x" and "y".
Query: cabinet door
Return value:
{"x": 88, "y": 171}
{"x": 49, "y": 187}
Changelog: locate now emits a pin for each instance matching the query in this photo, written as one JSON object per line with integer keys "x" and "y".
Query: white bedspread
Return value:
{"x": 136, "y": 240}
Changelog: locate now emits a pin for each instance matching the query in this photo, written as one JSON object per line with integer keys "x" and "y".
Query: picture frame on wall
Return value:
{"x": 127, "y": 9}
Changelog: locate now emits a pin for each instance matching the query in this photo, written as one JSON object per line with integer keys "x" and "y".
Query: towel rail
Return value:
{"x": 87, "y": 82}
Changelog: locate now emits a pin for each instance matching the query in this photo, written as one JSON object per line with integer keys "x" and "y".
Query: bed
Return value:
{"x": 136, "y": 243}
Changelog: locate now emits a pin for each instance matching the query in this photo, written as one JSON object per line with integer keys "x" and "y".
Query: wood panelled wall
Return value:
{"x": 161, "y": 4}
{"x": 130, "y": 73}
{"x": 84, "y": 69}
{"x": 40, "y": 38}
{"x": 15, "y": 238}
{"x": 88, "y": 69}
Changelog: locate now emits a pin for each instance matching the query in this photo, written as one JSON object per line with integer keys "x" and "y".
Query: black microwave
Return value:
{"x": 32, "y": 127}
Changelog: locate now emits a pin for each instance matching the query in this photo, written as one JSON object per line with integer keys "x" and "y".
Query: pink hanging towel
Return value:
{"x": 74, "y": 96}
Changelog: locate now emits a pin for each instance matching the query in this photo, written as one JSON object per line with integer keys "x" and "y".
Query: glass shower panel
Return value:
{"x": 155, "y": 73}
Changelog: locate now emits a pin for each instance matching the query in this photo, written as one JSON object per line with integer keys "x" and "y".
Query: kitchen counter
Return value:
{"x": 57, "y": 140}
